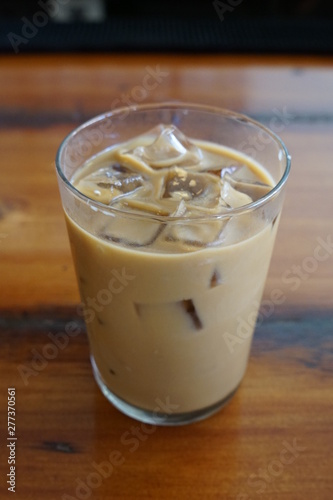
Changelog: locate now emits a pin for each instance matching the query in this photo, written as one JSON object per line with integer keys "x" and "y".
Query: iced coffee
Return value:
{"x": 171, "y": 256}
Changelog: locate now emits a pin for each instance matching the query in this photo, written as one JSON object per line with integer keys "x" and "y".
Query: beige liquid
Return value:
{"x": 162, "y": 319}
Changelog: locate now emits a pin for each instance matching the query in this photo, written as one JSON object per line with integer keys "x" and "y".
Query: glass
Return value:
{"x": 170, "y": 329}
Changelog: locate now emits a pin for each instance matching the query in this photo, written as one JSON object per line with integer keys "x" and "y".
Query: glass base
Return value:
{"x": 156, "y": 417}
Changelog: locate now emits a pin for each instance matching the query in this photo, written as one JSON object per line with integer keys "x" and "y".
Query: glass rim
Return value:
{"x": 230, "y": 212}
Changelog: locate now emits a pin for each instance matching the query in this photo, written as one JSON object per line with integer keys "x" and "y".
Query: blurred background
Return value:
{"x": 150, "y": 25}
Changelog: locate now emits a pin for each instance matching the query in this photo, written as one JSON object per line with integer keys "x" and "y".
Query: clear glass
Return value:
{"x": 170, "y": 330}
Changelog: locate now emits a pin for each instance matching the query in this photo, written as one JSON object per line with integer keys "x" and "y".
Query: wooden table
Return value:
{"x": 275, "y": 438}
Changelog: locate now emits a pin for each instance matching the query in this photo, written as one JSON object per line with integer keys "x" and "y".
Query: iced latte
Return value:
{"x": 172, "y": 236}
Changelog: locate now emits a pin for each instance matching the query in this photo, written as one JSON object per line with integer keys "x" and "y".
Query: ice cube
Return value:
{"x": 143, "y": 206}
{"x": 196, "y": 188}
{"x": 170, "y": 147}
{"x": 232, "y": 196}
{"x": 177, "y": 317}
{"x": 148, "y": 199}
{"x": 198, "y": 195}
{"x": 195, "y": 234}
{"x": 253, "y": 189}
{"x": 179, "y": 193}
{"x": 108, "y": 183}
{"x": 180, "y": 209}
{"x": 131, "y": 232}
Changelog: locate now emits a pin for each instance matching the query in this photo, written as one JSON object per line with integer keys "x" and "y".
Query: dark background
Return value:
{"x": 174, "y": 8}
{"x": 300, "y": 26}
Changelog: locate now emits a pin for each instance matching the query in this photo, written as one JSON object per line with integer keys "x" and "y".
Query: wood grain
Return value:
{"x": 65, "y": 425}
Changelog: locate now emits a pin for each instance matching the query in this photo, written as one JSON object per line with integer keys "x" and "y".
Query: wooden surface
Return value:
{"x": 64, "y": 426}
